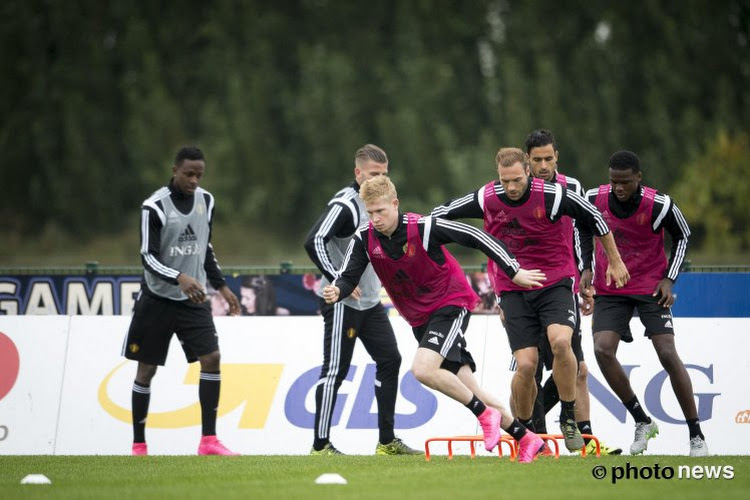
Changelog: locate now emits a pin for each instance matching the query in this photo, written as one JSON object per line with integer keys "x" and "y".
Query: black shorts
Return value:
{"x": 444, "y": 334}
{"x": 528, "y": 314}
{"x": 155, "y": 320}
{"x": 614, "y": 312}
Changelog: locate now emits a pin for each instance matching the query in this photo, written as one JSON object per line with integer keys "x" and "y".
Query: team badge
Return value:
{"x": 134, "y": 348}
{"x": 351, "y": 333}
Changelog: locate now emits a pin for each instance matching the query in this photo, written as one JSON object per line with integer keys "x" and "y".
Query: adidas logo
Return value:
{"x": 668, "y": 324}
{"x": 434, "y": 340}
{"x": 187, "y": 235}
{"x": 572, "y": 319}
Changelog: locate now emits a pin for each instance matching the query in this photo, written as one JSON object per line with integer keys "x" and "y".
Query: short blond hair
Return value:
{"x": 377, "y": 187}
{"x": 507, "y": 157}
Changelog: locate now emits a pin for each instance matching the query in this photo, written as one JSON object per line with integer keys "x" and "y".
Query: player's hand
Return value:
{"x": 664, "y": 288}
{"x": 529, "y": 278}
{"x": 587, "y": 305}
{"x": 618, "y": 274}
{"x": 331, "y": 294}
{"x": 190, "y": 287}
{"x": 357, "y": 293}
{"x": 231, "y": 298}
{"x": 585, "y": 287}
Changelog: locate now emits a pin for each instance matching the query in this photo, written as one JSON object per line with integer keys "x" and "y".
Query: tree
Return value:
{"x": 714, "y": 195}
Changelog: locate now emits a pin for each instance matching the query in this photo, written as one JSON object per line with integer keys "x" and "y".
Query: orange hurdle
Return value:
{"x": 471, "y": 440}
{"x": 512, "y": 444}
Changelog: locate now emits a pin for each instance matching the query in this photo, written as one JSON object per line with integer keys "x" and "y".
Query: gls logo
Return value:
{"x": 258, "y": 396}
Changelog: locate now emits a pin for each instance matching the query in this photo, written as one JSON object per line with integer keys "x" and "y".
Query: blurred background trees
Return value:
{"x": 96, "y": 97}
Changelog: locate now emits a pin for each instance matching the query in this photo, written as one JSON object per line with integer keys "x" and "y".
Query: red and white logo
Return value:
{"x": 9, "y": 365}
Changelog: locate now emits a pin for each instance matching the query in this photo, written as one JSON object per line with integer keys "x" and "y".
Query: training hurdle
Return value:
{"x": 512, "y": 444}
{"x": 472, "y": 446}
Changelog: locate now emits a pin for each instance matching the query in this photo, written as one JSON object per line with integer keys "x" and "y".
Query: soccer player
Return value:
{"x": 525, "y": 213}
{"x": 178, "y": 257}
{"x": 360, "y": 316}
{"x": 638, "y": 216}
{"x": 429, "y": 289}
{"x": 543, "y": 156}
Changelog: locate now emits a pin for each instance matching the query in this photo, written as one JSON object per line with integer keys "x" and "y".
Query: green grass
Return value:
{"x": 373, "y": 477}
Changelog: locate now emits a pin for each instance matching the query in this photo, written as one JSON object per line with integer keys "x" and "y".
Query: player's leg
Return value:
{"x": 658, "y": 322}
{"x": 523, "y": 383}
{"x": 557, "y": 308}
{"x": 196, "y": 330}
{"x": 140, "y": 399}
{"x": 539, "y": 415}
{"x": 523, "y": 329}
{"x": 610, "y": 324}
{"x": 148, "y": 343}
{"x": 379, "y": 340}
{"x": 439, "y": 357}
{"x": 340, "y": 333}
{"x": 530, "y": 444}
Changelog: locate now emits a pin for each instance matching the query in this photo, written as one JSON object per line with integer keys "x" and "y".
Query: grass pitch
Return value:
{"x": 374, "y": 477}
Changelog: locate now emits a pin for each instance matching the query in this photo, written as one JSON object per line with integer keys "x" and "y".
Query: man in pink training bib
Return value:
{"x": 527, "y": 215}
{"x": 429, "y": 289}
{"x": 638, "y": 216}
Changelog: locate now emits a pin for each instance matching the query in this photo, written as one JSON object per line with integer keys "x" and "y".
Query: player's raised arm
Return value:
{"x": 468, "y": 206}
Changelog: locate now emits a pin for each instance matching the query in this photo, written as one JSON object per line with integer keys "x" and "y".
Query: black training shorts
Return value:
{"x": 614, "y": 312}
{"x": 444, "y": 334}
{"x": 529, "y": 313}
{"x": 155, "y": 320}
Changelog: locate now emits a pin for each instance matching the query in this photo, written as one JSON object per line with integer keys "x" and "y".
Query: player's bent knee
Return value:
{"x": 583, "y": 371}
{"x": 210, "y": 362}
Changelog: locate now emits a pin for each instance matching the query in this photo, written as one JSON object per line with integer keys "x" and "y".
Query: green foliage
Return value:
{"x": 714, "y": 196}
{"x": 96, "y": 98}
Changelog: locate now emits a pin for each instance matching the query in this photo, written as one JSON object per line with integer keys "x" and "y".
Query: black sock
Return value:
{"x": 476, "y": 406}
{"x": 694, "y": 427}
{"x": 568, "y": 411}
{"x": 538, "y": 415}
{"x": 585, "y": 427}
{"x": 636, "y": 410}
{"x": 208, "y": 395}
{"x": 551, "y": 396}
{"x": 529, "y": 424}
{"x": 319, "y": 444}
{"x": 516, "y": 429}
{"x": 140, "y": 400}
